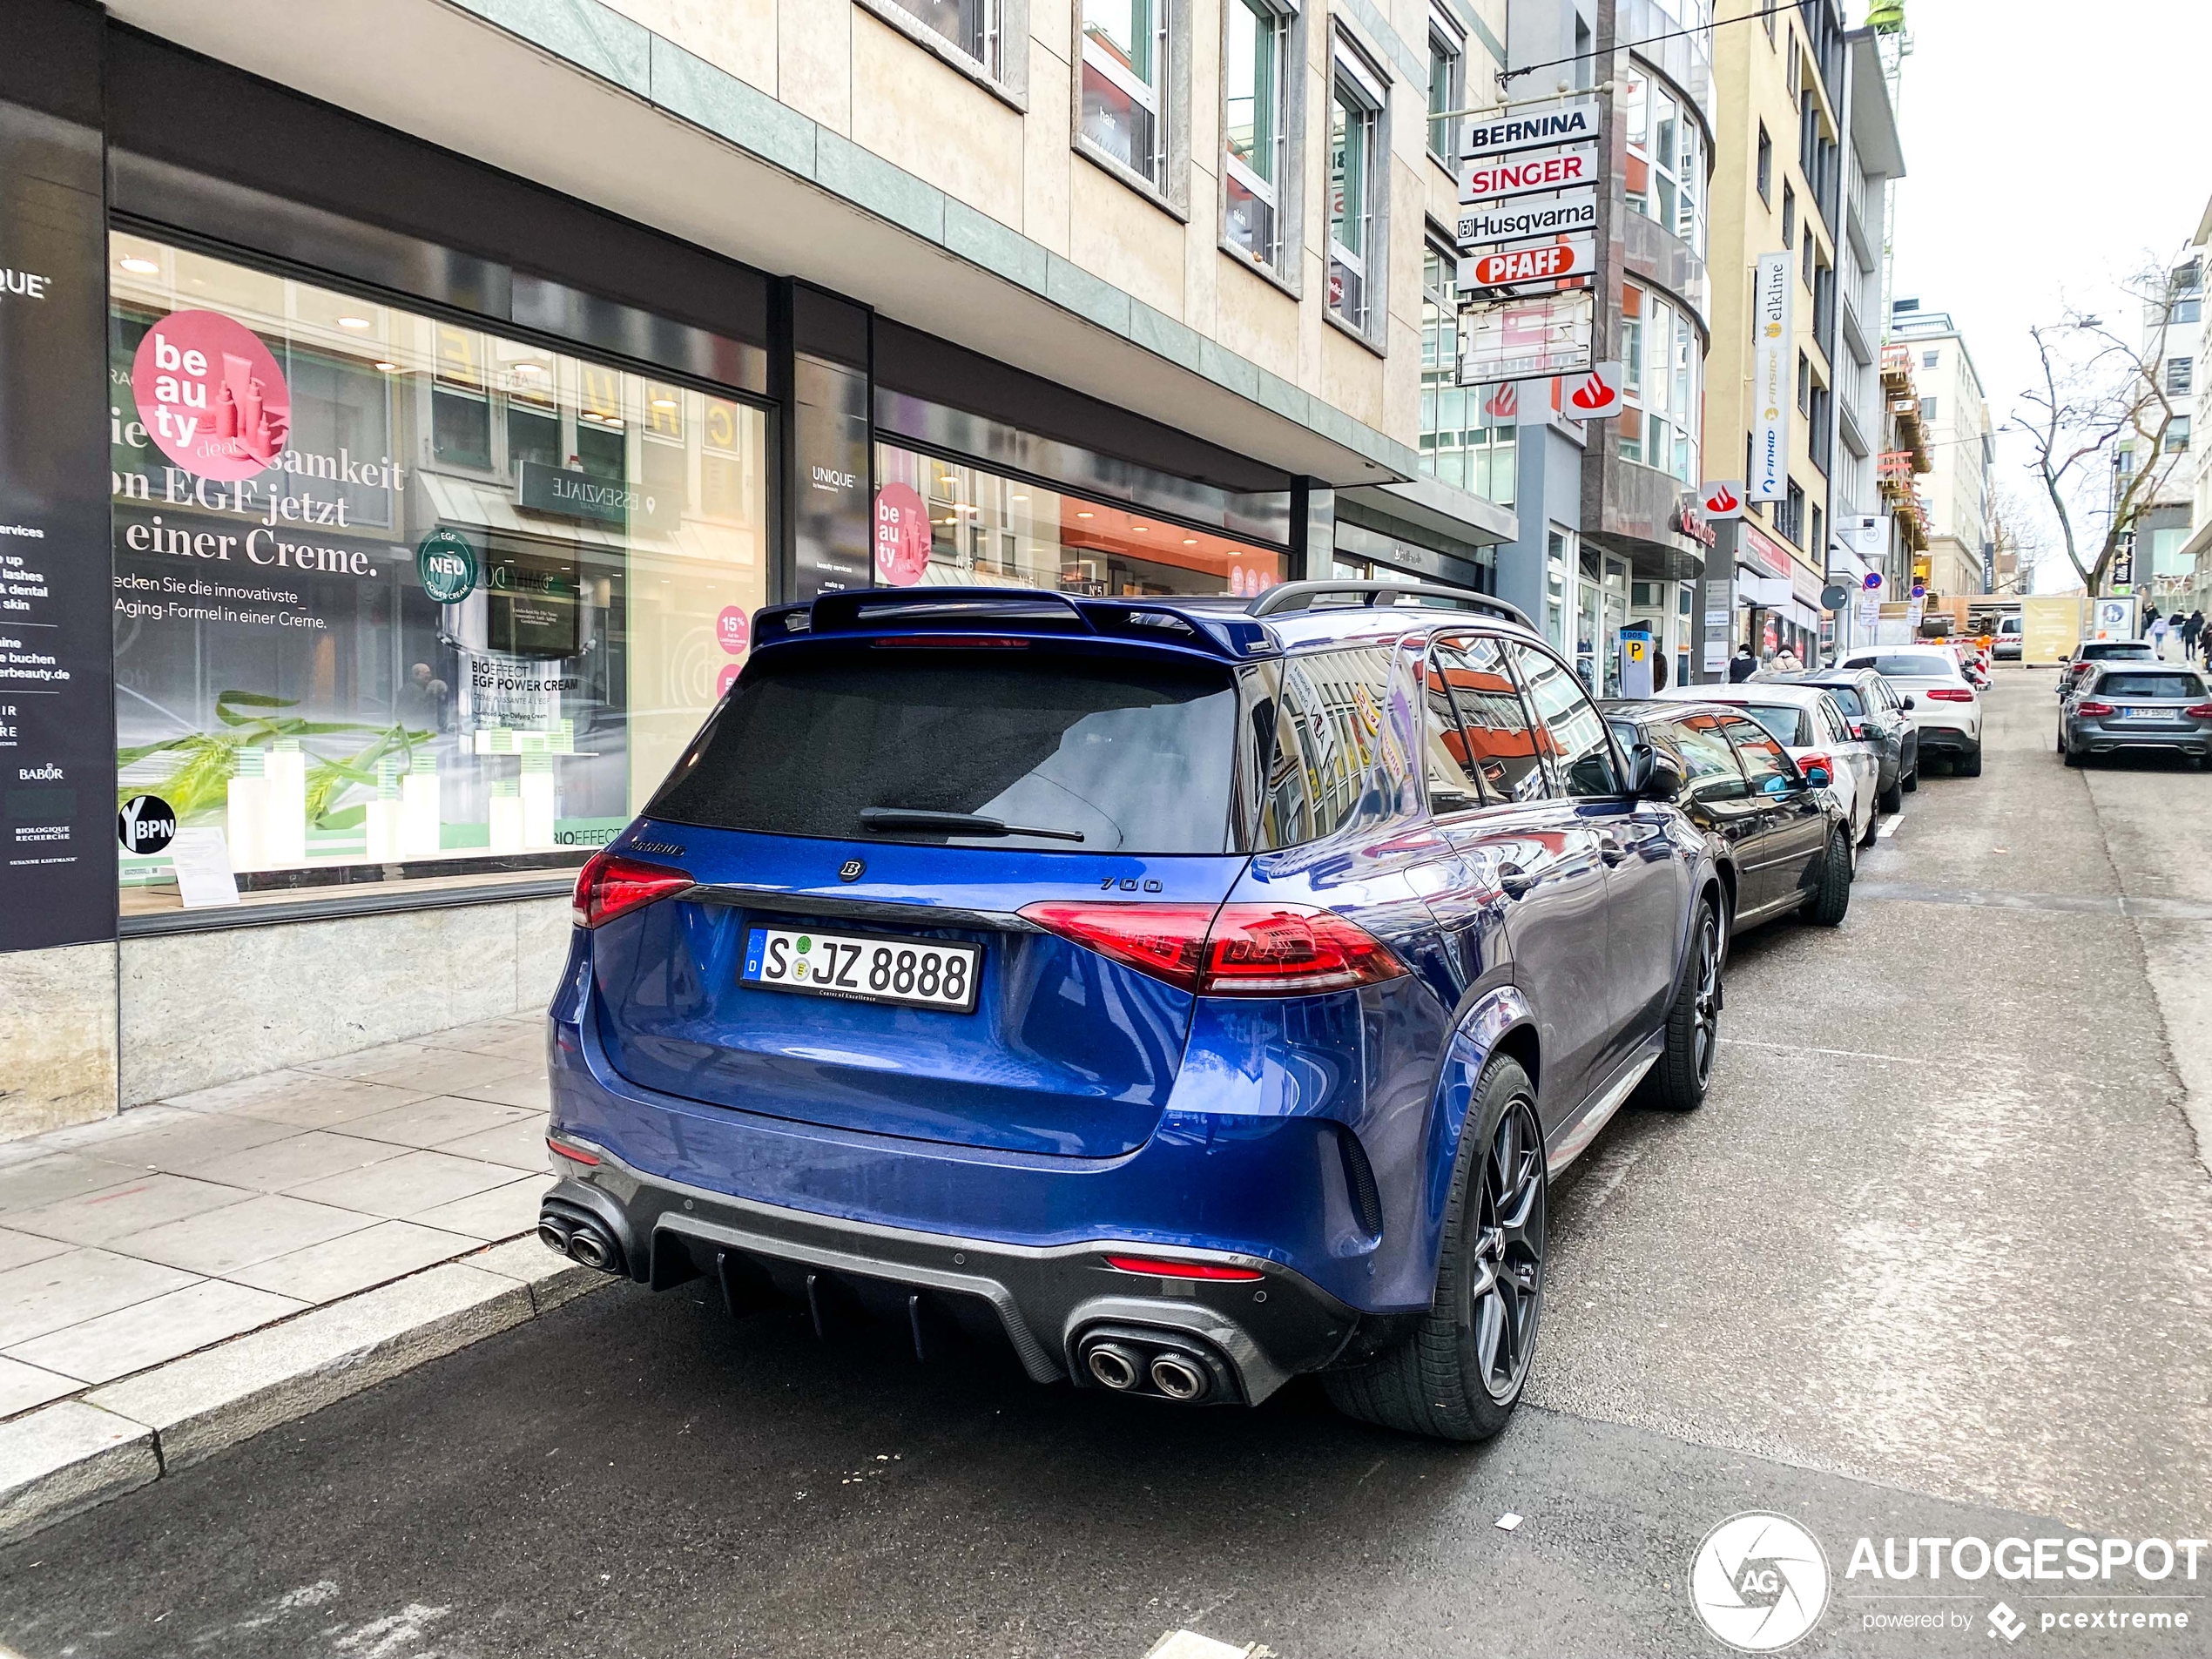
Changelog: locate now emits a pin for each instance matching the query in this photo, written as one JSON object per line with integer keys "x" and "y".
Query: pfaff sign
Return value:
{"x": 1527, "y": 175}
{"x": 1567, "y": 123}
{"x": 1576, "y": 256}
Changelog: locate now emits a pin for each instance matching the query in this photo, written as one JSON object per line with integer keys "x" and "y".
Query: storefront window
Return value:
{"x": 1463, "y": 442}
{"x": 945, "y": 524}
{"x": 398, "y": 597}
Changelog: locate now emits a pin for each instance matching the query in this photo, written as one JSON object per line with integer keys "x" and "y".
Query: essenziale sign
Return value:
{"x": 573, "y": 493}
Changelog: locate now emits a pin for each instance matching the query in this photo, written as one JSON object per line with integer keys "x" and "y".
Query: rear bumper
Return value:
{"x": 1042, "y": 1300}
{"x": 1949, "y": 739}
{"x": 2100, "y": 740}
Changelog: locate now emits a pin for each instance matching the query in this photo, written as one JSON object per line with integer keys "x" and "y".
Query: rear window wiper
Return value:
{"x": 883, "y": 819}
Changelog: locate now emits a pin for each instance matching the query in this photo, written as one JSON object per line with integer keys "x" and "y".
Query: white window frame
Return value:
{"x": 1448, "y": 40}
{"x": 1283, "y": 196}
{"x": 1168, "y": 185}
{"x": 1003, "y": 71}
{"x": 1351, "y": 70}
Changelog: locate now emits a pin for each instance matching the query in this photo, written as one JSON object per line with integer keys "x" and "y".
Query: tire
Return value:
{"x": 1969, "y": 764}
{"x": 2072, "y": 758}
{"x": 1440, "y": 1381}
{"x": 2061, "y": 741}
{"x": 1874, "y": 828}
{"x": 1913, "y": 777}
{"x": 1831, "y": 899}
{"x": 1677, "y": 1083}
{"x": 1892, "y": 798}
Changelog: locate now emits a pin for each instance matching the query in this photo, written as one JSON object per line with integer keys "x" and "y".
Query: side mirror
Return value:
{"x": 1654, "y": 775}
{"x": 1908, "y": 701}
{"x": 1816, "y": 777}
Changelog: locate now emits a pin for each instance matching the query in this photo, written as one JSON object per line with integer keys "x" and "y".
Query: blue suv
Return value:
{"x": 1188, "y": 992}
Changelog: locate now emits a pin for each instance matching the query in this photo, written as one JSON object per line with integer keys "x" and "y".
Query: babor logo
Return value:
{"x": 1759, "y": 1581}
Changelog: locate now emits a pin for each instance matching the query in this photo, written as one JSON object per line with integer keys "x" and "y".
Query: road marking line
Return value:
{"x": 1889, "y": 827}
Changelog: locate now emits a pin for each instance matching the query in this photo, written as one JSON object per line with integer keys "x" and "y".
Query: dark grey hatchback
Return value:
{"x": 2136, "y": 705}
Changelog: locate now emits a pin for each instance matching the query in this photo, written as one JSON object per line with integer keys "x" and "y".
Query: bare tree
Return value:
{"x": 2098, "y": 423}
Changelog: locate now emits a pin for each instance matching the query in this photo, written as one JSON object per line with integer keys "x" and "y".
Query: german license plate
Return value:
{"x": 2142, "y": 714}
{"x": 867, "y": 967}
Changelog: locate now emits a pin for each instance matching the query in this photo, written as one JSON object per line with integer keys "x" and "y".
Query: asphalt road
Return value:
{"x": 1935, "y": 1260}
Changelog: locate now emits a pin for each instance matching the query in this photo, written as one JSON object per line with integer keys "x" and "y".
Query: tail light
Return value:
{"x": 1806, "y": 763}
{"x": 1952, "y": 694}
{"x": 611, "y": 885}
{"x": 2091, "y": 707}
{"x": 2199, "y": 711}
{"x": 1236, "y": 950}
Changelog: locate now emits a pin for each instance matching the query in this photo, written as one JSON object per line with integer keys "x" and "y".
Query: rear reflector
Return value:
{"x": 1952, "y": 694}
{"x": 1160, "y": 1269}
{"x": 1238, "y": 950}
{"x": 611, "y": 885}
{"x": 573, "y": 1154}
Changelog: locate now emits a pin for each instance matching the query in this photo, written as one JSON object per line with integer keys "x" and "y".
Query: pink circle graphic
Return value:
{"x": 210, "y": 394}
{"x": 727, "y": 678}
{"x": 901, "y": 535}
{"x": 734, "y": 629}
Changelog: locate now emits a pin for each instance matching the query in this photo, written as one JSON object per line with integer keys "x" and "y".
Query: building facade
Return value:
{"x": 1778, "y": 215}
{"x": 1961, "y": 551}
{"x": 427, "y": 392}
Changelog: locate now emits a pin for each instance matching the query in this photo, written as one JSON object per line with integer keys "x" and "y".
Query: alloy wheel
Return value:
{"x": 1706, "y": 1010}
{"x": 1508, "y": 1287}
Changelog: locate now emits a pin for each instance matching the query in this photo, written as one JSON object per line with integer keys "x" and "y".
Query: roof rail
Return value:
{"x": 1300, "y": 596}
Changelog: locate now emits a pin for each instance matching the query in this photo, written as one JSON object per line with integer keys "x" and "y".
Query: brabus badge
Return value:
{"x": 852, "y": 870}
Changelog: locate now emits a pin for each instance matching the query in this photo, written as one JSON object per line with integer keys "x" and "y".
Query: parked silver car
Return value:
{"x": 2137, "y": 705}
{"x": 1882, "y": 716}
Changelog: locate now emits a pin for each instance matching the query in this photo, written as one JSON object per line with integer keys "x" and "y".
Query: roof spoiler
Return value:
{"x": 1302, "y": 596}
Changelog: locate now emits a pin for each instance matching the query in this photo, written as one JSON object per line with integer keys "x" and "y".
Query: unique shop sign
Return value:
{"x": 446, "y": 563}
{"x": 572, "y": 493}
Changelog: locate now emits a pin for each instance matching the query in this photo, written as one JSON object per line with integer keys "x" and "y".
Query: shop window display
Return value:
{"x": 398, "y": 597}
{"x": 943, "y": 523}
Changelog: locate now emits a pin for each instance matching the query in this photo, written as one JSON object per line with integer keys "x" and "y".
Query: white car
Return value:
{"x": 1944, "y": 705}
{"x": 1809, "y": 724}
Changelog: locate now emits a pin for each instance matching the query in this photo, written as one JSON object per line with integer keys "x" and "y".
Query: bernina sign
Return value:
{"x": 1527, "y": 175}
{"x": 1576, "y": 256}
{"x": 1574, "y": 123}
{"x": 1540, "y": 219}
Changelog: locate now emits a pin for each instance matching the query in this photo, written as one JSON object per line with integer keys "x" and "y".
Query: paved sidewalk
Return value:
{"x": 176, "y": 1228}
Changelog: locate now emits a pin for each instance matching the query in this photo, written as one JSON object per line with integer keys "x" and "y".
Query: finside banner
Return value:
{"x": 1770, "y": 393}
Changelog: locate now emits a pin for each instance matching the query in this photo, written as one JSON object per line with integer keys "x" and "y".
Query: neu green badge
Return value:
{"x": 447, "y": 566}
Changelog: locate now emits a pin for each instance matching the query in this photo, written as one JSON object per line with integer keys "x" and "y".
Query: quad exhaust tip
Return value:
{"x": 1114, "y": 1365}
{"x": 594, "y": 1249}
{"x": 554, "y": 1237}
{"x": 1177, "y": 1377}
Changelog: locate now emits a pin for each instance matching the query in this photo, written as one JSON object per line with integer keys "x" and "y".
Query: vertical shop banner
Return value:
{"x": 832, "y": 514}
{"x": 58, "y": 796}
{"x": 1773, "y": 344}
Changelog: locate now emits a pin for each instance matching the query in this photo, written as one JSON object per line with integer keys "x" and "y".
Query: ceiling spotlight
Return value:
{"x": 353, "y": 322}
{"x": 139, "y": 266}
{"x": 663, "y": 402}
{"x": 1083, "y": 514}
{"x": 1140, "y": 529}
{"x": 529, "y": 368}
{"x": 389, "y": 368}
{"x": 1189, "y": 541}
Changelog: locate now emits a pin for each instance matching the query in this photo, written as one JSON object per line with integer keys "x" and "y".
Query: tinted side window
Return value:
{"x": 1708, "y": 760}
{"x": 1833, "y": 718}
{"x": 1455, "y": 786}
{"x": 1848, "y": 699}
{"x": 1765, "y": 764}
{"x": 1328, "y": 748}
{"x": 1500, "y": 740}
{"x": 1581, "y": 752}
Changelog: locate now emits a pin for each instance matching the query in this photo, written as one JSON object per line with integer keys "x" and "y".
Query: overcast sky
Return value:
{"x": 2049, "y": 150}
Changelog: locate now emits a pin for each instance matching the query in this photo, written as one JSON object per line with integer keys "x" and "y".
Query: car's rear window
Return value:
{"x": 1848, "y": 697}
{"x": 2133, "y": 684}
{"x": 1909, "y": 665}
{"x": 2112, "y": 650}
{"x": 1133, "y": 756}
{"x": 1792, "y": 726}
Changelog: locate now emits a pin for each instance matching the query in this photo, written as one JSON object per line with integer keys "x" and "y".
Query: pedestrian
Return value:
{"x": 1658, "y": 671}
{"x": 1743, "y": 666}
{"x": 2150, "y": 615}
{"x": 2159, "y": 629}
{"x": 1785, "y": 662}
{"x": 2192, "y": 628}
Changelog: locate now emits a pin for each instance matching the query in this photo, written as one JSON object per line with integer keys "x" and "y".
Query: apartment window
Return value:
{"x": 971, "y": 28}
{"x": 1766, "y": 17}
{"x": 2180, "y": 371}
{"x": 1804, "y": 263}
{"x": 1356, "y": 102}
{"x": 1816, "y": 545}
{"x": 1928, "y": 410}
{"x": 1464, "y": 442}
{"x": 1792, "y": 521}
{"x": 1666, "y": 161}
{"x": 1789, "y": 217}
{"x": 2177, "y": 435}
{"x": 1662, "y": 388}
{"x": 1256, "y": 162}
{"x": 1930, "y": 359}
{"x": 1124, "y": 84}
{"x": 1804, "y": 384}
{"x": 1766, "y": 152}
{"x": 2183, "y": 310}
{"x": 1446, "y": 87}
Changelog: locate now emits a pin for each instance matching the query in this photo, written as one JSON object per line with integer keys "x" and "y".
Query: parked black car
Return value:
{"x": 1877, "y": 713}
{"x": 1780, "y": 839}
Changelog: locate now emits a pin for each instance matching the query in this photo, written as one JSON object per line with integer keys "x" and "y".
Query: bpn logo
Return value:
{"x": 1759, "y": 1581}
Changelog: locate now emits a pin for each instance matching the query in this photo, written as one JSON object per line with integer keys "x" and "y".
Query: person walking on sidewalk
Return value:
{"x": 1743, "y": 666}
{"x": 2192, "y": 629}
{"x": 2159, "y": 629}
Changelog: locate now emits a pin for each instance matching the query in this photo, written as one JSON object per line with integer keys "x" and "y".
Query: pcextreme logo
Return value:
{"x": 1759, "y": 1581}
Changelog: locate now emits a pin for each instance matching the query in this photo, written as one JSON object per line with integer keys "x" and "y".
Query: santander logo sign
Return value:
{"x": 210, "y": 394}
{"x": 1724, "y": 499}
{"x": 1596, "y": 394}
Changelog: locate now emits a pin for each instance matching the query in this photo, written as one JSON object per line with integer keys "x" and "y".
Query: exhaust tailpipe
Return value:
{"x": 595, "y": 1249}
{"x": 553, "y": 1235}
{"x": 1114, "y": 1365}
{"x": 1178, "y": 1377}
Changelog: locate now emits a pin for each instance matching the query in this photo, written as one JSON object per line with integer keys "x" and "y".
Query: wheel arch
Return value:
{"x": 1501, "y": 1021}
